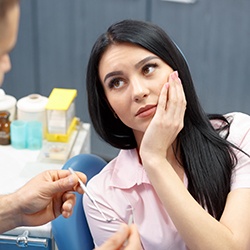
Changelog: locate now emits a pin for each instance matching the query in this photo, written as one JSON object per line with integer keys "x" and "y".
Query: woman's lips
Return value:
{"x": 146, "y": 111}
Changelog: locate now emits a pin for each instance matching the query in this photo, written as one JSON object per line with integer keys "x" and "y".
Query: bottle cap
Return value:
{"x": 32, "y": 103}
{"x": 6, "y": 101}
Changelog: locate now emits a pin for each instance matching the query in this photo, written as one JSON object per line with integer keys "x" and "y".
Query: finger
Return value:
{"x": 61, "y": 174}
{"x": 162, "y": 102}
{"x": 69, "y": 201}
{"x": 182, "y": 93}
{"x": 63, "y": 204}
{"x": 67, "y": 208}
{"x": 176, "y": 96}
{"x": 67, "y": 183}
{"x": 163, "y": 96}
{"x": 83, "y": 178}
{"x": 116, "y": 240}
{"x": 78, "y": 189}
{"x": 181, "y": 99}
{"x": 172, "y": 102}
{"x": 134, "y": 238}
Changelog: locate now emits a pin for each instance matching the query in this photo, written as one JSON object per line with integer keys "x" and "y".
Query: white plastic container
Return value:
{"x": 32, "y": 108}
{"x": 8, "y": 103}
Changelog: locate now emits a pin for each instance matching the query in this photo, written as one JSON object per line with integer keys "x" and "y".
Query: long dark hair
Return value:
{"x": 207, "y": 158}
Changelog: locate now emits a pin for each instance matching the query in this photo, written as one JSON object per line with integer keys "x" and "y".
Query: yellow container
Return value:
{"x": 60, "y": 112}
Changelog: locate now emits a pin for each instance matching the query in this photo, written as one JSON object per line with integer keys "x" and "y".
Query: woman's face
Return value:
{"x": 8, "y": 30}
{"x": 132, "y": 79}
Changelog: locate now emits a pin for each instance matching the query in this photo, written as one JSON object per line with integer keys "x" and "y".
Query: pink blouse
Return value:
{"x": 123, "y": 187}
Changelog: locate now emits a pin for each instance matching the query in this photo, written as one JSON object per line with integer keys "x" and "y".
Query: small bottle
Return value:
{"x": 4, "y": 128}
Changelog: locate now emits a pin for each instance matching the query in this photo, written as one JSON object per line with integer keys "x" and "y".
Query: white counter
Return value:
{"x": 19, "y": 166}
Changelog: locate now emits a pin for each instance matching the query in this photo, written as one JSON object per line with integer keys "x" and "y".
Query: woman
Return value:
{"x": 183, "y": 174}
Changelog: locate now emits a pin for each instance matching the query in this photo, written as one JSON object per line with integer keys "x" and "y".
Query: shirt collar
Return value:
{"x": 127, "y": 170}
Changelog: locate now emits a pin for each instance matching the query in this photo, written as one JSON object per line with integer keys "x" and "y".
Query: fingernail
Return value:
{"x": 166, "y": 85}
{"x": 70, "y": 206}
{"x": 66, "y": 215}
{"x": 174, "y": 75}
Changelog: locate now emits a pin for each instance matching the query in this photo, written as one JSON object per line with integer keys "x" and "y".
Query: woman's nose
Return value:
{"x": 5, "y": 63}
{"x": 140, "y": 90}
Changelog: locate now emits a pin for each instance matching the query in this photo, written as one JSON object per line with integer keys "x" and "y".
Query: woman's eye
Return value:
{"x": 116, "y": 83}
{"x": 148, "y": 69}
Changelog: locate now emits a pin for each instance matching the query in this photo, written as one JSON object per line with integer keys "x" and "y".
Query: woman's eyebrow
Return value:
{"x": 137, "y": 65}
{"x": 114, "y": 73}
{"x": 143, "y": 61}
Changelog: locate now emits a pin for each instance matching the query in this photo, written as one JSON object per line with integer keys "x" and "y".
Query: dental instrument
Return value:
{"x": 86, "y": 191}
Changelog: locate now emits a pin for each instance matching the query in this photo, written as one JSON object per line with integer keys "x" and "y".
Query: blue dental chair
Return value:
{"x": 73, "y": 233}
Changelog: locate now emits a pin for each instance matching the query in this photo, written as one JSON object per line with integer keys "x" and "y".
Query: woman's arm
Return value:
{"x": 198, "y": 229}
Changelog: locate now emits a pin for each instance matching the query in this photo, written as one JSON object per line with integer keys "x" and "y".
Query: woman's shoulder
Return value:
{"x": 240, "y": 136}
{"x": 116, "y": 169}
{"x": 238, "y": 118}
{"x": 239, "y": 128}
{"x": 240, "y": 122}
{"x": 104, "y": 175}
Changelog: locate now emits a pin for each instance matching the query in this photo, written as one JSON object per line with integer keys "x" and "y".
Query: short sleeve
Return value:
{"x": 240, "y": 136}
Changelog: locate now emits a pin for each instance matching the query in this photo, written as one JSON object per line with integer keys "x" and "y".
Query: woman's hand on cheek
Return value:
{"x": 168, "y": 120}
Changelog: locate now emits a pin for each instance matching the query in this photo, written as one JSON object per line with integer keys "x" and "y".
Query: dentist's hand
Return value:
{"x": 46, "y": 196}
